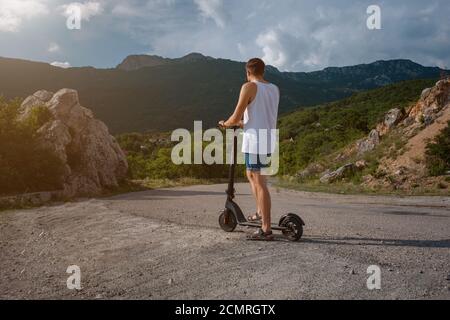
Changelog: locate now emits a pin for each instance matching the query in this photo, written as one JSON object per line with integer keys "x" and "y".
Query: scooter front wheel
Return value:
{"x": 227, "y": 221}
{"x": 294, "y": 228}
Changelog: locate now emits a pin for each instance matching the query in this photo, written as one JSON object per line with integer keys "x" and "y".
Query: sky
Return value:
{"x": 292, "y": 35}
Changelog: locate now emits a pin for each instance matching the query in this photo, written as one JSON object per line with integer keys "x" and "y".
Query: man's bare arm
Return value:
{"x": 248, "y": 91}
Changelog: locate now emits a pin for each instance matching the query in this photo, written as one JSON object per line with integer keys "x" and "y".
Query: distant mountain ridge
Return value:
{"x": 135, "y": 62}
{"x": 376, "y": 74}
{"x": 151, "y": 93}
{"x": 365, "y": 74}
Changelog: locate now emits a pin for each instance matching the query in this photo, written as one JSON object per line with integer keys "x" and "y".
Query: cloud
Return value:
{"x": 294, "y": 35}
{"x": 124, "y": 9}
{"x": 215, "y": 10}
{"x": 287, "y": 48}
{"x": 88, "y": 9}
{"x": 14, "y": 12}
{"x": 273, "y": 51}
{"x": 53, "y": 48}
{"x": 318, "y": 36}
{"x": 63, "y": 65}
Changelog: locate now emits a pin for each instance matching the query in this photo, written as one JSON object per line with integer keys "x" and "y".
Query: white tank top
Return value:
{"x": 260, "y": 120}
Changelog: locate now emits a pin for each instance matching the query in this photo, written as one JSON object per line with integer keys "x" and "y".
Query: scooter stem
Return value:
{"x": 231, "y": 191}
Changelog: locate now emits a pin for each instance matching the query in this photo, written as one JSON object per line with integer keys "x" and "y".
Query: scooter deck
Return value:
{"x": 258, "y": 225}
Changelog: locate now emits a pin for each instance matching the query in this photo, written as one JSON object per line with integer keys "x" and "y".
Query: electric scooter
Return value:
{"x": 291, "y": 225}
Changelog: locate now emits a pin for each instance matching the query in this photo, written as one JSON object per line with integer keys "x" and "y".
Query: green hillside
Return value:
{"x": 306, "y": 135}
{"x": 309, "y": 134}
{"x": 172, "y": 93}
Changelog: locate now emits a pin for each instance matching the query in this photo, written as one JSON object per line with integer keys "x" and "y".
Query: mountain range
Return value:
{"x": 152, "y": 93}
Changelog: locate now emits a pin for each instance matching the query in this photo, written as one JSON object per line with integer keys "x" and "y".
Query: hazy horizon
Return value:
{"x": 156, "y": 55}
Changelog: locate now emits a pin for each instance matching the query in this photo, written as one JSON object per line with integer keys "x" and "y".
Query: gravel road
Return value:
{"x": 166, "y": 244}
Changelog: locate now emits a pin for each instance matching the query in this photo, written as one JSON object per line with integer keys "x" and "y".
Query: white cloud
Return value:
{"x": 53, "y": 48}
{"x": 63, "y": 65}
{"x": 88, "y": 9}
{"x": 288, "y": 51}
{"x": 215, "y": 10}
{"x": 14, "y": 12}
{"x": 309, "y": 42}
{"x": 272, "y": 48}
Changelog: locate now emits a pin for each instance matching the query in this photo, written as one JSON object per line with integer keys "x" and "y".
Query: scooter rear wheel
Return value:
{"x": 227, "y": 221}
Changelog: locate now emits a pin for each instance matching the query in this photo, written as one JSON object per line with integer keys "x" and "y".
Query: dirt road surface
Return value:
{"x": 166, "y": 244}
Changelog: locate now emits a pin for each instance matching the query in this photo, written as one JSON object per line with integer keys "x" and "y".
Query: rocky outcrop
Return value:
{"x": 391, "y": 119}
{"x": 423, "y": 122}
{"x": 432, "y": 106}
{"x": 92, "y": 159}
{"x": 309, "y": 171}
{"x": 369, "y": 143}
{"x": 342, "y": 172}
{"x": 425, "y": 111}
{"x": 431, "y": 102}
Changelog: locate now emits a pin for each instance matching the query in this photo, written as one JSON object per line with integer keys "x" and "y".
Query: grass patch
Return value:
{"x": 348, "y": 187}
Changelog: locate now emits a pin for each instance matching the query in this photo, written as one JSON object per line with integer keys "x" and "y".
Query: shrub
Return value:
{"x": 37, "y": 117}
{"x": 24, "y": 166}
{"x": 149, "y": 157}
{"x": 438, "y": 153}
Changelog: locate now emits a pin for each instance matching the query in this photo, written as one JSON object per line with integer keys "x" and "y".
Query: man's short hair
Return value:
{"x": 256, "y": 66}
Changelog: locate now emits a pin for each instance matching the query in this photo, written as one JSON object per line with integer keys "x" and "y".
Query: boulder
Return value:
{"x": 342, "y": 172}
{"x": 391, "y": 119}
{"x": 408, "y": 121}
{"x": 361, "y": 164}
{"x": 37, "y": 99}
{"x": 310, "y": 170}
{"x": 92, "y": 158}
{"x": 425, "y": 93}
{"x": 55, "y": 135}
{"x": 368, "y": 144}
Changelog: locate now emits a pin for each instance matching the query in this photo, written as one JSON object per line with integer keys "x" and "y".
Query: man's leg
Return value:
{"x": 251, "y": 178}
{"x": 264, "y": 201}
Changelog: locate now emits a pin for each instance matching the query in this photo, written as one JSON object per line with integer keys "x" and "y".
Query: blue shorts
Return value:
{"x": 256, "y": 162}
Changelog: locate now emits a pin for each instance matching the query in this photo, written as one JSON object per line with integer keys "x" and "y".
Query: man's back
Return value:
{"x": 260, "y": 120}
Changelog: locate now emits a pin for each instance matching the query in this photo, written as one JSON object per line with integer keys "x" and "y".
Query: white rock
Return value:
{"x": 92, "y": 158}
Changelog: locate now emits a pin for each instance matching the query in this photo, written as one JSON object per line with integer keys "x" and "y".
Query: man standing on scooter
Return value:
{"x": 258, "y": 107}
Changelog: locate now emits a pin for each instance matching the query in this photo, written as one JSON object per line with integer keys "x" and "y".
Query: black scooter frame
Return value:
{"x": 232, "y": 206}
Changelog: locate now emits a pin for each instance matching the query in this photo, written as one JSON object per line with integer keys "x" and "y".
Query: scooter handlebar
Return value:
{"x": 228, "y": 127}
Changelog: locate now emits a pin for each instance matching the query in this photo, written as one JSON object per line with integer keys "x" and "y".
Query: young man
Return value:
{"x": 258, "y": 105}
